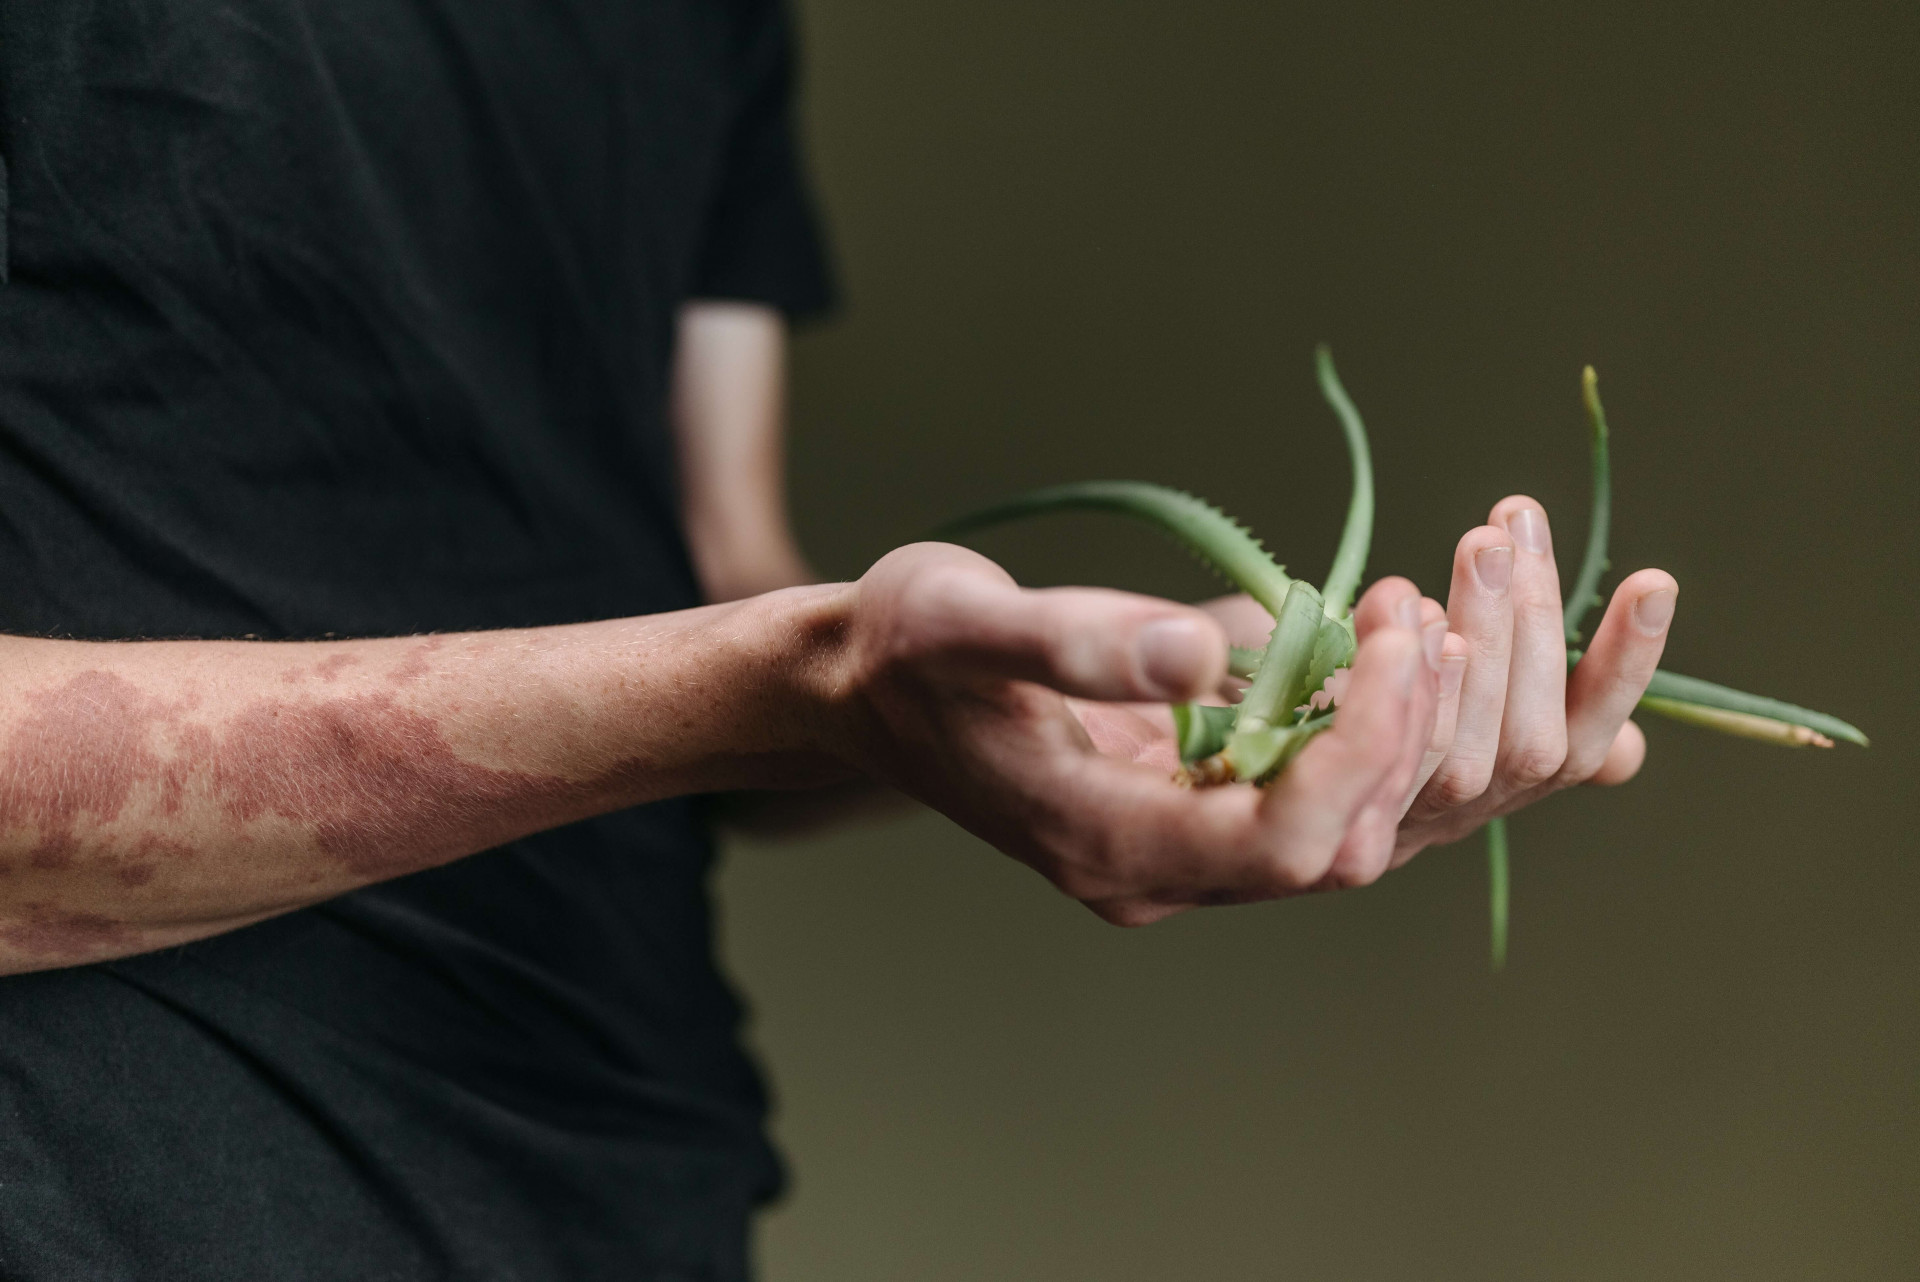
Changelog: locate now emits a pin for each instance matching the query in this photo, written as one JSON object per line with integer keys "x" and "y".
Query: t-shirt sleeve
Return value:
{"x": 763, "y": 241}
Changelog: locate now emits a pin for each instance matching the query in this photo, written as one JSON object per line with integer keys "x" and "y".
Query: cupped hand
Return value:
{"x": 987, "y": 701}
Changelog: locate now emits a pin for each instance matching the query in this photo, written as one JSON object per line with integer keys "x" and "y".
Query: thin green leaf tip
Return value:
{"x": 1356, "y": 538}
{"x": 1585, "y": 594}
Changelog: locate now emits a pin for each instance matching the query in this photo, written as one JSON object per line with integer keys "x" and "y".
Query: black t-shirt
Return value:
{"x": 348, "y": 318}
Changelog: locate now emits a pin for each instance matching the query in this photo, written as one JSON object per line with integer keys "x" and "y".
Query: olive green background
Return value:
{"x": 1088, "y": 238}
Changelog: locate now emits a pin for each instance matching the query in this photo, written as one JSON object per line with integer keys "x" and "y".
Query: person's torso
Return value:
{"x": 353, "y": 317}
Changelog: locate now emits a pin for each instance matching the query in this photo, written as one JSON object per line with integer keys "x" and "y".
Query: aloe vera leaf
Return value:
{"x": 1299, "y": 735}
{"x": 1201, "y": 729}
{"x": 1253, "y": 749}
{"x": 1332, "y": 650}
{"x": 1585, "y": 594}
{"x": 1279, "y": 687}
{"x": 1743, "y": 724}
{"x": 1671, "y": 688}
{"x": 1499, "y": 890}
{"x": 1259, "y": 754}
{"x": 1249, "y": 754}
{"x": 1242, "y": 662}
{"x": 1218, "y": 540}
{"x": 1356, "y": 538}
{"x": 1674, "y": 688}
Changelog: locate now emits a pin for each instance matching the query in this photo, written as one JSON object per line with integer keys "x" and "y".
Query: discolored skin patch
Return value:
{"x": 417, "y": 663}
{"x": 50, "y": 932}
{"x": 375, "y": 785}
{"x": 80, "y": 752}
{"x": 150, "y": 851}
{"x": 329, "y": 670}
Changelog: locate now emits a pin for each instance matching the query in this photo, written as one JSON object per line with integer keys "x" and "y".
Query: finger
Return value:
{"x": 1247, "y": 625}
{"x": 1368, "y": 849}
{"x": 1433, "y": 629}
{"x": 1628, "y": 751}
{"x": 1533, "y": 727}
{"x": 1392, "y": 602}
{"x": 1433, "y": 642}
{"x": 1480, "y": 609}
{"x": 1613, "y": 674}
{"x": 1446, "y": 713}
{"x": 1321, "y": 797}
{"x": 960, "y": 611}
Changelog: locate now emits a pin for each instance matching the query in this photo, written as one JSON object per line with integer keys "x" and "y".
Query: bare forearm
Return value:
{"x": 154, "y": 792}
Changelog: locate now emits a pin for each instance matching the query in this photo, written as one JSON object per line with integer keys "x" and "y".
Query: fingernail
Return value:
{"x": 1408, "y": 612}
{"x": 1432, "y": 638}
{"x": 1453, "y": 673}
{"x": 1494, "y": 566}
{"x": 1174, "y": 653}
{"x": 1529, "y": 529}
{"x": 1654, "y": 611}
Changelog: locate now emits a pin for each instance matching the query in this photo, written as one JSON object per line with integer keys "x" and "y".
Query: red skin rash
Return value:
{"x": 49, "y": 932}
{"x": 418, "y": 662}
{"x": 81, "y": 752}
{"x": 376, "y": 785}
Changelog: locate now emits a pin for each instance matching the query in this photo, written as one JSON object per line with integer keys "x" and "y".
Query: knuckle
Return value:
{"x": 1534, "y": 762}
{"x": 1458, "y": 782}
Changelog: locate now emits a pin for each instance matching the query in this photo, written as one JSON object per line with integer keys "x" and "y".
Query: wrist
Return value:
{"x": 811, "y": 705}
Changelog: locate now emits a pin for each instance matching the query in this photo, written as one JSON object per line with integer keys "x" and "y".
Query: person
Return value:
{"x": 398, "y": 588}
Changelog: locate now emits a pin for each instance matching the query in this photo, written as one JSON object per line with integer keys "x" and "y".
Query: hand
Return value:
{"x": 1513, "y": 724}
{"x": 962, "y": 687}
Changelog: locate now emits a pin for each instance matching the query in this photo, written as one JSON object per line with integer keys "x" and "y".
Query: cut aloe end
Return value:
{"x": 1201, "y": 729}
{"x": 1259, "y": 754}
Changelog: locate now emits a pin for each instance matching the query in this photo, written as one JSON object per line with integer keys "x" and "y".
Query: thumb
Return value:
{"x": 960, "y": 611}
